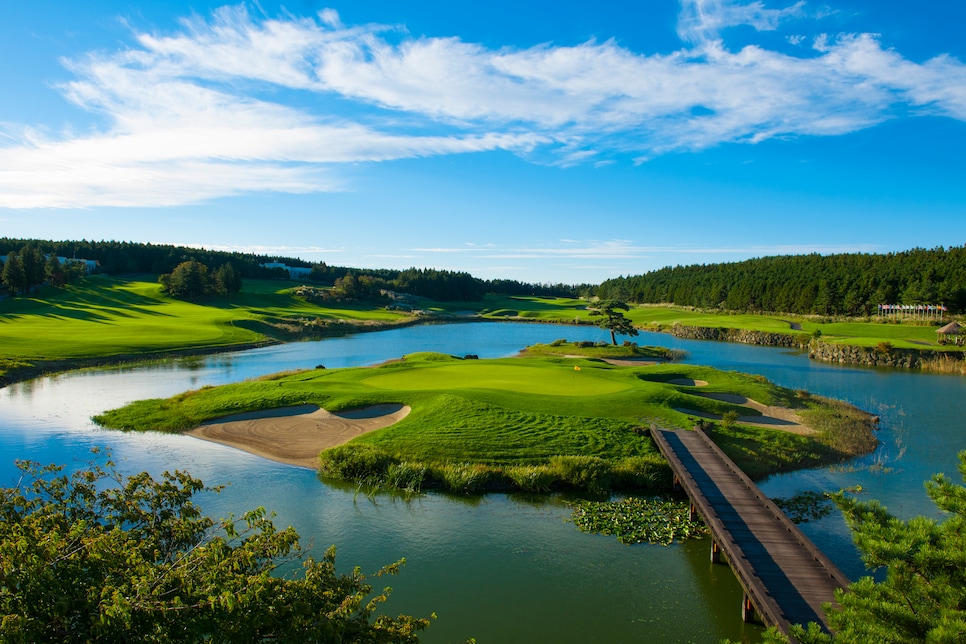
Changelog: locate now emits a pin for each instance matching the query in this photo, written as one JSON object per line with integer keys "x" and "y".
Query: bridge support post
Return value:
{"x": 692, "y": 513}
{"x": 715, "y": 552}
{"x": 748, "y": 613}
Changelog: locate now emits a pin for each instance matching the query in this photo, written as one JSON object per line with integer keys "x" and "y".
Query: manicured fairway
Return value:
{"x": 562, "y": 381}
{"x": 109, "y": 316}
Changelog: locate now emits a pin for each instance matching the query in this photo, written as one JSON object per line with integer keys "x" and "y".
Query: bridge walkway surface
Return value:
{"x": 785, "y": 577}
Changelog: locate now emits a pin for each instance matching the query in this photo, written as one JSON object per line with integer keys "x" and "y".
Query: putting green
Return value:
{"x": 562, "y": 381}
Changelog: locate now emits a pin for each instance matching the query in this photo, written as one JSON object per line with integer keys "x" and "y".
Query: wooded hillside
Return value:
{"x": 844, "y": 284}
{"x": 125, "y": 258}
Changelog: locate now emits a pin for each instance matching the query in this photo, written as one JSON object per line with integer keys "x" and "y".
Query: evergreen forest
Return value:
{"x": 845, "y": 284}
{"x": 130, "y": 258}
{"x": 852, "y": 284}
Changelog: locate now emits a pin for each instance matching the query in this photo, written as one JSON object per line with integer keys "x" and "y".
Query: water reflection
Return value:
{"x": 498, "y": 568}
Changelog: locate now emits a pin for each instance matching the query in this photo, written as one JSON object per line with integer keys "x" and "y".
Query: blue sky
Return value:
{"x": 539, "y": 141}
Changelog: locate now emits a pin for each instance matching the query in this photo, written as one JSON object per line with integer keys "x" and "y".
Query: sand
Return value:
{"x": 771, "y": 417}
{"x": 688, "y": 382}
{"x": 296, "y": 435}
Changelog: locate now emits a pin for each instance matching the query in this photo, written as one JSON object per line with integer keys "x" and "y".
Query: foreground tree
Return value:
{"x": 923, "y": 595}
{"x": 95, "y": 556}
{"x": 614, "y": 320}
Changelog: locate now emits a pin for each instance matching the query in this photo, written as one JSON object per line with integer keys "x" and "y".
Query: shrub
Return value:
{"x": 95, "y": 556}
{"x": 884, "y": 348}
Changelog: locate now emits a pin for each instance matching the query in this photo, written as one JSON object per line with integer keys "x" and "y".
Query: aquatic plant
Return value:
{"x": 637, "y": 520}
{"x": 806, "y": 506}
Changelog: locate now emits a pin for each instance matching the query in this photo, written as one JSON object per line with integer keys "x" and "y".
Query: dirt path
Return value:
{"x": 296, "y": 435}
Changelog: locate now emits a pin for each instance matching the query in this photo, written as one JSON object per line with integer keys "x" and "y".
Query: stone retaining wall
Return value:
{"x": 743, "y": 336}
{"x": 948, "y": 362}
{"x": 925, "y": 359}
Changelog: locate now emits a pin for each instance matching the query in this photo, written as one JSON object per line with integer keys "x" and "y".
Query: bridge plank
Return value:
{"x": 786, "y": 576}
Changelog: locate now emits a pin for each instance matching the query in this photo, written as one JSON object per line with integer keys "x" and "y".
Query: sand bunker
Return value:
{"x": 296, "y": 435}
{"x": 688, "y": 382}
{"x": 772, "y": 417}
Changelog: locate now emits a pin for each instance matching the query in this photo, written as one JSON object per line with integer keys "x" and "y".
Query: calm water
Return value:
{"x": 501, "y": 569}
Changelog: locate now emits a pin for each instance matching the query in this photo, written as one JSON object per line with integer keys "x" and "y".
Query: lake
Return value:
{"x": 499, "y": 568}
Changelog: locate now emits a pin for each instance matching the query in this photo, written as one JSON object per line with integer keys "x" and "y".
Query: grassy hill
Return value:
{"x": 103, "y": 317}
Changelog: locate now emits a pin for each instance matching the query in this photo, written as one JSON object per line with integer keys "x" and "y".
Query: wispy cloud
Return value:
{"x": 703, "y": 20}
{"x": 624, "y": 249}
{"x": 261, "y": 249}
{"x": 234, "y": 104}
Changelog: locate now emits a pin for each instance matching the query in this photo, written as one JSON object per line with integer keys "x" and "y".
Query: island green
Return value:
{"x": 532, "y": 423}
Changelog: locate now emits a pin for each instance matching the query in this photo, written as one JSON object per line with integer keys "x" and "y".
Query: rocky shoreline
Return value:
{"x": 880, "y": 356}
{"x": 743, "y": 336}
{"x": 923, "y": 359}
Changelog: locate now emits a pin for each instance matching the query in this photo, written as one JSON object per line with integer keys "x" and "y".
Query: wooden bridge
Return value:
{"x": 785, "y": 577}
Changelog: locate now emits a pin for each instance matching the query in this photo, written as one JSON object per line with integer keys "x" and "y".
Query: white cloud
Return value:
{"x": 235, "y": 104}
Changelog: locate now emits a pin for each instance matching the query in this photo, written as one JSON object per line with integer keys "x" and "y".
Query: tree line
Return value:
{"x": 121, "y": 258}
{"x": 850, "y": 284}
{"x": 29, "y": 268}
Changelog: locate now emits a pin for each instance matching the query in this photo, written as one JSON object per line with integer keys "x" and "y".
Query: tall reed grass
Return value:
{"x": 371, "y": 466}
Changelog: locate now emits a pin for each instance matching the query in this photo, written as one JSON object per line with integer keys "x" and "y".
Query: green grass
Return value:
{"x": 626, "y": 351}
{"x": 662, "y": 317}
{"x": 500, "y": 307}
{"x": 103, "y": 317}
{"x": 479, "y": 423}
{"x": 109, "y": 316}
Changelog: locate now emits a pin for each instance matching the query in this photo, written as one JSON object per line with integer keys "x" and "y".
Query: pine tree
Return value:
{"x": 923, "y": 595}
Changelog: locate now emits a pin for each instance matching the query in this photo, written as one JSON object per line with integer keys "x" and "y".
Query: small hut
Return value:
{"x": 952, "y": 332}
